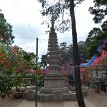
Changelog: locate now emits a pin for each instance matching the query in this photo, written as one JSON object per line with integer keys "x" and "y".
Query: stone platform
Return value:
{"x": 56, "y": 94}
{"x": 51, "y": 94}
{"x": 54, "y": 89}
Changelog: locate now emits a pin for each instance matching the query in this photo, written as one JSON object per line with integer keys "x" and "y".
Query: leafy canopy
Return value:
{"x": 97, "y": 35}
{"x": 14, "y": 67}
{"x": 59, "y": 10}
{"x": 6, "y": 36}
{"x": 99, "y": 10}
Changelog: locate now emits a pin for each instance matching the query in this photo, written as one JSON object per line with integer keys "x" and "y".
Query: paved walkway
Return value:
{"x": 99, "y": 99}
{"x": 92, "y": 100}
{"x": 24, "y": 103}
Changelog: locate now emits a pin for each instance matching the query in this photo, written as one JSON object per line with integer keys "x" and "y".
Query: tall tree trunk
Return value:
{"x": 79, "y": 95}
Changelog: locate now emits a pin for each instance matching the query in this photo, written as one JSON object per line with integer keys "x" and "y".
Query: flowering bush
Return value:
{"x": 13, "y": 69}
{"x": 10, "y": 58}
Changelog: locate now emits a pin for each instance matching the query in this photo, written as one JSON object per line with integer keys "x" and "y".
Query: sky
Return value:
{"x": 25, "y": 17}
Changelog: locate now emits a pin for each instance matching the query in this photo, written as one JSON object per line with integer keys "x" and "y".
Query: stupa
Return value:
{"x": 54, "y": 86}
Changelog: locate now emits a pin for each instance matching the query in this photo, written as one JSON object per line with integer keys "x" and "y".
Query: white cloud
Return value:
{"x": 25, "y": 17}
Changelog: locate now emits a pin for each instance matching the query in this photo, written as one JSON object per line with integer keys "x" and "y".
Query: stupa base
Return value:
{"x": 56, "y": 94}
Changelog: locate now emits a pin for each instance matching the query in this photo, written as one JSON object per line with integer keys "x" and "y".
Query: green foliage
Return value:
{"x": 63, "y": 45}
{"x": 14, "y": 64}
{"x": 44, "y": 60}
{"x": 66, "y": 53}
{"x": 92, "y": 48}
{"x": 28, "y": 58}
{"x": 99, "y": 10}
{"x": 94, "y": 32}
{"x": 82, "y": 52}
{"x": 6, "y": 36}
{"x": 59, "y": 10}
{"x": 104, "y": 27}
{"x": 11, "y": 62}
{"x": 95, "y": 39}
{"x": 10, "y": 80}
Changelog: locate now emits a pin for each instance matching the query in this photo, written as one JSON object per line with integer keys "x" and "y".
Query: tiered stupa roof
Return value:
{"x": 53, "y": 50}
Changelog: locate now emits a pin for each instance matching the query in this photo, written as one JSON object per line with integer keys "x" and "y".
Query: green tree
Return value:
{"x": 67, "y": 53}
{"x": 92, "y": 41}
{"x": 99, "y": 10}
{"x": 29, "y": 58}
{"x": 82, "y": 52}
{"x": 64, "y": 55}
{"x": 6, "y": 36}
{"x": 44, "y": 60}
{"x": 11, "y": 70}
{"x": 14, "y": 66}
{"x": 63, "y": 45}
{"x": 95, "y": 39}
{"x": 104, "y": 26}
{"x": 54, "y": 10}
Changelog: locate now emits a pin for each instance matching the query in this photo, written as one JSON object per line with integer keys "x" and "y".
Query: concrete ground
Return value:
{"x": 99, "y": 99}
{"x": 92, "y": 100}
{"x": 24, "y": 103}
